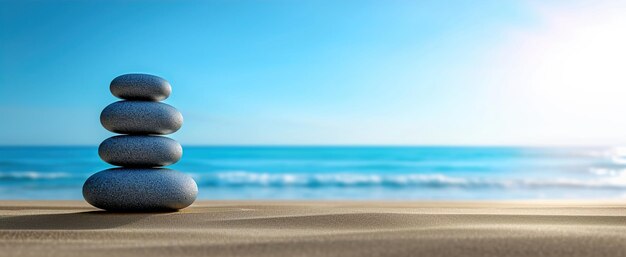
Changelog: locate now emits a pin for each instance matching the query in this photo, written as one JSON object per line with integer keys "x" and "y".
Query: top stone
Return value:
{"x": 143, "y": 87}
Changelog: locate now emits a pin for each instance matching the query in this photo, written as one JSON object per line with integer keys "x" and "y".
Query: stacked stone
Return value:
{"x": 140, "y": 184}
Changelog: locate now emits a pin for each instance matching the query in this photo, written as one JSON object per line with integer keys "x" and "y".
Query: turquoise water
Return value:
{"x": 398, "y": 173}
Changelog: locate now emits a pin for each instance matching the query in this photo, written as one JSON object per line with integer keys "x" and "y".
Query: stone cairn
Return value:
{"x": 140, "y": 184}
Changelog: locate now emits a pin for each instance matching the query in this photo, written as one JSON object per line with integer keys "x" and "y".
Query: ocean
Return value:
{"x": 338, "y": 173}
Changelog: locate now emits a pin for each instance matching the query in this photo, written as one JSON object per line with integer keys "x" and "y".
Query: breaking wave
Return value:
{"x": 32, "y": 175}
{"x": 256, "y": 179}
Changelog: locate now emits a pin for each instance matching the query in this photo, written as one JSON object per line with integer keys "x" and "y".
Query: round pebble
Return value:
{"x": 140, "y": 151}
{"x": 128, "y": 189}
{"x": 140, "y": 87}
{"x": 141, "y": 117}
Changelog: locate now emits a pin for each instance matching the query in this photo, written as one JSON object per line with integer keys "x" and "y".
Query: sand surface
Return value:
{"x": 55, "y": 228}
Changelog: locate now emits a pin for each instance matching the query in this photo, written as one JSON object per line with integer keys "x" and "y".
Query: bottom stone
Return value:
{"x": 149, "y": 189}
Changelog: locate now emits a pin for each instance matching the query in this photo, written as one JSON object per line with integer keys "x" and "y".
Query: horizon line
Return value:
{"x": 341, "y": 145}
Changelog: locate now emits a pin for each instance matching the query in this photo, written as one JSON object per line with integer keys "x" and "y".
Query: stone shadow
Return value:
{"x": 71, "y": 221}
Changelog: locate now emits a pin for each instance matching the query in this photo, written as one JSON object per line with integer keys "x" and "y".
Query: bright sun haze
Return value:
{"x": 323, "y": 72}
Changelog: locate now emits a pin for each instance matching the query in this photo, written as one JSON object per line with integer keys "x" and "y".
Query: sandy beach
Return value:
{"x": 229, "y": 228}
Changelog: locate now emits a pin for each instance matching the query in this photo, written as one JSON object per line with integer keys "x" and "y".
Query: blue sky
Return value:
{"x": 321, "y": 72}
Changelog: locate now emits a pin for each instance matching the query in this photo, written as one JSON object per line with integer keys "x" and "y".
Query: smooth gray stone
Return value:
{"x": 140, "y": 151}
{"x": 127, "y": 189}
{"x": 141, "y": 117}
{"x": 140, "y": 87}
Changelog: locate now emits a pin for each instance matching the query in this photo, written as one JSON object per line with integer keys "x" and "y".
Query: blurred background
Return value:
{"x": 327, "y": 99}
